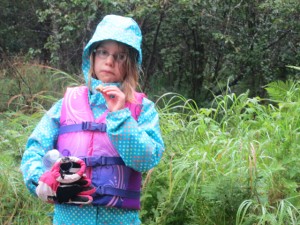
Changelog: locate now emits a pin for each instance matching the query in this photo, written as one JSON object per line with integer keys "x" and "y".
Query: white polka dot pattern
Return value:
{"x": 91, "y": 215}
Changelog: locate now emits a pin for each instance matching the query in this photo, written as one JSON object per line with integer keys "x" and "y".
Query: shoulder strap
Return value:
{"x": 75, "y": 102}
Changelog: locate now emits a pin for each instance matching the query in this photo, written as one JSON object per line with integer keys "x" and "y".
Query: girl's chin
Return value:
{"x": 106, "y": 79}
{"x": 109, "y": 81}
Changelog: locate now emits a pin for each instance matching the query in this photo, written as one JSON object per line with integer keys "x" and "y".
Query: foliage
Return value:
{"x": 19, "y": 29}
{"x": 30, "y": 87}
{"x": 233, "y": 163}
{"x": 190, "y": 47}
{"x": 67, "y": 36}
{"x": 17, "y": 207}
{"x": 231, "y": 135}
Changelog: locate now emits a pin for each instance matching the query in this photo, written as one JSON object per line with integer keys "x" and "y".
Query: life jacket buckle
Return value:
{"x": 102, "y": 160}
{"x": 94, "y": 126}
{"x": 100, "y": 190}
{"x": 86, "y": 125}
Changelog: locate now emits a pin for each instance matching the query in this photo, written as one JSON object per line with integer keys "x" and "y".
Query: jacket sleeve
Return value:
{"x": 139, "y": 143}
{"x": 42, "y": 139}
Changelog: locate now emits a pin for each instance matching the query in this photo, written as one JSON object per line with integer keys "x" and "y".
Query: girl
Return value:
{"x": 107, "y": 124}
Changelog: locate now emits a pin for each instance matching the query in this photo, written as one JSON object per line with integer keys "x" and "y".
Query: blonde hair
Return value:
{"x": 132, "y": 71}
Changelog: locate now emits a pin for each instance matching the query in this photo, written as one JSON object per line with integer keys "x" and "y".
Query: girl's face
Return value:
{"x": 109, "y": 62}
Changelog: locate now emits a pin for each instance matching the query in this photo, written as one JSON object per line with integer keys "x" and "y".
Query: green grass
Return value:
{"x": 17, "y": 205}
{"x": 236, "y": 162}
{"x": 26, "y": 87}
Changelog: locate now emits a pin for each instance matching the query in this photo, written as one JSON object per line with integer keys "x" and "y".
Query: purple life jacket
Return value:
{"x": 83, "y": 136}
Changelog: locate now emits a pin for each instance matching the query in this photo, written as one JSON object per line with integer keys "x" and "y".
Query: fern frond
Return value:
{"x": 280, "y": 91}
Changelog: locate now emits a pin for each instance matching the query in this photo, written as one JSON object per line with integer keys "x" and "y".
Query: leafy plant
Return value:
{"x": 17, "y": 207}
{"x": 234, "y": 163}
{"x": 31, "y": 87}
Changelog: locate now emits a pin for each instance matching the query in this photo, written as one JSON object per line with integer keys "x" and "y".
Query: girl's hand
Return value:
{"x": 114, "y": 97}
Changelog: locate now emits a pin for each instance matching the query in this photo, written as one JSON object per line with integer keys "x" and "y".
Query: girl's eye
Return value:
{"x": 102, "y": 53}
{"x": 121, "y": 56}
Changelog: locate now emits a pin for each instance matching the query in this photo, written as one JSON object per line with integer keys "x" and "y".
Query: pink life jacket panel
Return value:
{"x": 83, "y": 136}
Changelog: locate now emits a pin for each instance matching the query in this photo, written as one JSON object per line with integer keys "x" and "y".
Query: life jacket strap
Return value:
{"x": 84, "y": 126}
{"x": 93, "y": 161}
{"x": 108, "y": 190}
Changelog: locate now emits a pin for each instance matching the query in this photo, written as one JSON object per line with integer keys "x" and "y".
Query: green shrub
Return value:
{"x": 17, "y": 207}
{"x": 234, "y": 163}
{"x": 27, "y": 86}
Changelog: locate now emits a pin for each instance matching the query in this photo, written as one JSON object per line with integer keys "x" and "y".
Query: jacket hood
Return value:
{"x": 116, "y": 28}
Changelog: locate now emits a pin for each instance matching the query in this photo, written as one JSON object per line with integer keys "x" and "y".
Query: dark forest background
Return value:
{"x": 198, "y": 48}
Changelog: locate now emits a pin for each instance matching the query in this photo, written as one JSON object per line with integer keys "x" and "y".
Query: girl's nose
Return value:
{"x": 110, "y": 60}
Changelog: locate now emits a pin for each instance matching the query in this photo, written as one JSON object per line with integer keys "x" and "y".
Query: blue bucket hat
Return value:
{"x": 117, "y": 28}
